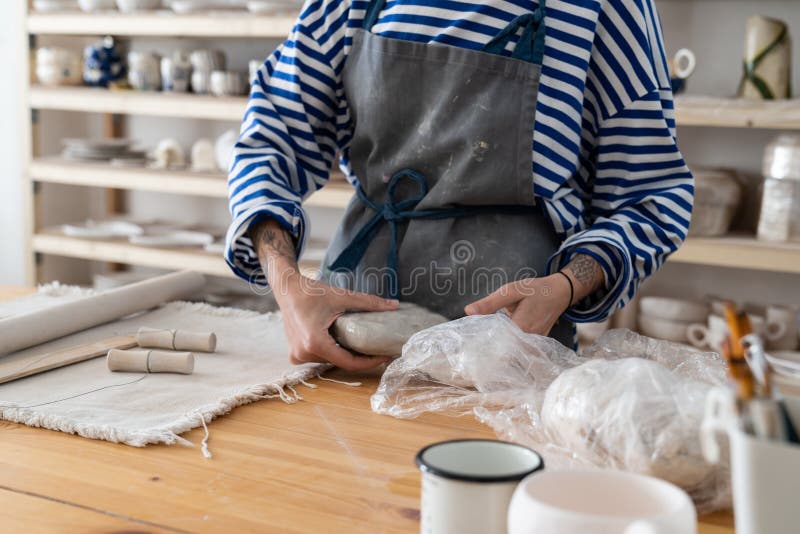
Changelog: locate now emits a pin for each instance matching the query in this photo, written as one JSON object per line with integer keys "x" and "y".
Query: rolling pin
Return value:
{"x": 30, "y": 329}
{"x": 150, "y": 361}
{"x": 176, "y": 340}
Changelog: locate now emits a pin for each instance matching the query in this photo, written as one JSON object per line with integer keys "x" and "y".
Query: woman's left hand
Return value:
{"x": 534, "y": 304}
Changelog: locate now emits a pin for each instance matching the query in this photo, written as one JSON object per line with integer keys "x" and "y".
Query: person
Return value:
{"x": 506, "y": 155}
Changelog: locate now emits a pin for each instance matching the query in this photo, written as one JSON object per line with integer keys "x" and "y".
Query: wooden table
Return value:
{"x": 327, "y": 464}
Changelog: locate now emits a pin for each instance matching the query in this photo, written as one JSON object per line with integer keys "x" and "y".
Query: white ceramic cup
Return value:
{"x": 226, "y": 83}
{"x": 57, "y": 66}
{"x": 252, "y": 67}
{"x": 599, "y": 502}
{"x": 712, "y": 335}
{"x": 788, "y": 318}
{"x": 144, "y": 71}
{"x": 467, "y": 484}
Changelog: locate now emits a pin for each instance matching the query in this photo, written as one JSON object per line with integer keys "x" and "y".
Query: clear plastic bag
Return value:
{"x": 626, "y": 402}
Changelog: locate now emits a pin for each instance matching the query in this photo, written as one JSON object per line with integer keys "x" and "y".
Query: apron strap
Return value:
{"x": 373, "y": 12}
{"x": 395, "y": 212}
{"x": 530, "y": 46}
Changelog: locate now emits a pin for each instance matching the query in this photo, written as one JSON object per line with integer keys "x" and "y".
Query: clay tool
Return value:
{"x": 150, "y": 361}
{"x": 176, "y": 340}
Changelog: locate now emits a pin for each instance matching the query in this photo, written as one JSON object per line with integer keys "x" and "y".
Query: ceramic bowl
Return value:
{"x": 673, "y": 309}
{"x": 128, "y": 6}
{"x": 665, "y": 329}
{"x": 96, "y": 5}
{"x": 785, "y": 362}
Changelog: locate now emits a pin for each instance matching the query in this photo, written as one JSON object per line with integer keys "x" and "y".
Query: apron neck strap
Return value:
{"x": 530, "y": 46}
{"x": 373, "y": 11}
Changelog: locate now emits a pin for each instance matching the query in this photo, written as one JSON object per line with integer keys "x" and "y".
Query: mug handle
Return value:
{"x": 682, "y": 70}
{"x": 697, "y": 334}
{"x": 718, "y": 417}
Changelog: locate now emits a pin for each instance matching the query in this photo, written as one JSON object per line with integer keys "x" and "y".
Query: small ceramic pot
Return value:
{"x": 673, "y": 309}
{"x": 203, "y": 156}
{"x": 665, "y": 329}
{"x": 129, "y": 6}
{"x": 144, "y": 71}
{"x": 169, "y": 155}
{"x": 767, "y": 59}
{"x": 57, "y": 66}
{"x": 207, "y": 60}
{"x": 91, "y": 6}
{"x": 103, "y": 64}
{"x": 226, "y": 83}
{"x": 223, "y": 148}
{"x": 712, "y": 335}
{"x": 176, "y": 73}
{"x": 681, "y": 66}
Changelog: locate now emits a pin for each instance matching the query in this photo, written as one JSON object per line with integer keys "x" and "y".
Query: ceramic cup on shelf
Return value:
{"x": 467, "y": 484}
{"x": 207, "y": 60}
{"x": 767, "y": 59}
{"x": 90, "y": 6}
{"x": 223, "y": 148}
{"x": 712, "y": 334}
{"x": 176, "y": 73}
{"x": 203, "y": 156}
{"x": 129, "y": 6}
{"x": 600, "y": 502}
{"x": 252, "y": 66}
{"x": 169, "y": 155}
{"x": 786, "y": 316}
{"x": 681, "y": 66}
{"x": 144, "y": 71}
{"x": 57, "y": 66}
{"x": 226, "y": 83}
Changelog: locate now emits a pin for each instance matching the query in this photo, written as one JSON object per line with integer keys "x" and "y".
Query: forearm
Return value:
{"x": 276, "y": 251}
{"x": 586, "y": 275}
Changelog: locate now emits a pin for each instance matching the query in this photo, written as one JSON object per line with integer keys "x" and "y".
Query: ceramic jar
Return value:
{"x": 144, "y": 71}
{"x": 767, "y": 60}
{"x": 57, "y": 66}
{"x": 176, "y": 73}
{"x": 103, "y": 64}
{"x": 780, "y": 203}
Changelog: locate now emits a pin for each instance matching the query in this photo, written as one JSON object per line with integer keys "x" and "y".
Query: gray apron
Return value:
{"x": 444, "y": 212}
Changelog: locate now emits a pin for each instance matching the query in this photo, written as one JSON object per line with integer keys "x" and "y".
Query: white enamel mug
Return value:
{"x": 599, "y": 502}
{"x": 467, "y": 484}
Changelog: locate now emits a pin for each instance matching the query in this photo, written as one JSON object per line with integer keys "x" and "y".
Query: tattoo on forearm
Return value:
{"x": 586, "y": 271}
{"x": 272, "y": 242}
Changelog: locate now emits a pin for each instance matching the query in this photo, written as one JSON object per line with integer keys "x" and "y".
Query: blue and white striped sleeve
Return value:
{"x": 640, "y": 196}
{"x": 641, "y": 204}
{"x": 289, "y": 135}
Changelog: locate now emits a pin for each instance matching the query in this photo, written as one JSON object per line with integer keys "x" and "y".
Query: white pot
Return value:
{"x": 129, "y": 6}
{"x": 96, "y": 5}
{"x": 224, "y": 149}
{"x": 599, "y": 502}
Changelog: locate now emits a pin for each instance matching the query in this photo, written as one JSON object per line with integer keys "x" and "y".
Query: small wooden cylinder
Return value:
{"x": 176, "y": 340}
{"x": 150, "y": 361}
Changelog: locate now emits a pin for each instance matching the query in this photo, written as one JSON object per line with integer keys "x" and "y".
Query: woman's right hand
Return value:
{"x": 309, "y": 308}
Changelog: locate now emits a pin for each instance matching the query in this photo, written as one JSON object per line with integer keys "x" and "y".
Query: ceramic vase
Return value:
{"x": 767, "y": 60}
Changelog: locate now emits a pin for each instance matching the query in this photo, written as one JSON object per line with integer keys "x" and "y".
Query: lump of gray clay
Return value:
{"x": 383, "y": 333}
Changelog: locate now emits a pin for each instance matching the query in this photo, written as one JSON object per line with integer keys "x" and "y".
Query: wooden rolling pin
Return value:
{"x": 30, "y": 329}
{"x": 150, "y": 361}
{"x": 176, "y": 340}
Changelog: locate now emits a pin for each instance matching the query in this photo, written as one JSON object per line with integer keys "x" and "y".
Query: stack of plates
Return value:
{"x": 117, "y": 150}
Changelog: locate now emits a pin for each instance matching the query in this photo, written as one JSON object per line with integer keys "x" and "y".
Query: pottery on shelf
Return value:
{"x": 103, "y": 64}
{"x": 681, "y": 66}
{"x": 203, "y": 156}
{"x": 224, "y": 149}
{"x": 129, "y": 6}
{"x": 91, "y": 6}
{"x": 226, "y": 83}
{"x": 169, "y": 155}
{"x": 767, "y": 59}
{"x": 57, "y": 66}
{"x": 673, "y": 309}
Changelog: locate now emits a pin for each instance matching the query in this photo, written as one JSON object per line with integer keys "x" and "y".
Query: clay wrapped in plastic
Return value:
{"x": 626, "y": 402}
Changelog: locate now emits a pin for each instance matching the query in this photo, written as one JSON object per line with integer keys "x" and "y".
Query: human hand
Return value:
{"x": 309, "y": 308}
{"x": 534, "y": 304}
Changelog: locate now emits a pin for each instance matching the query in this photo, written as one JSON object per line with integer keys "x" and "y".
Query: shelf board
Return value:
{"x": 127, "y": 102}
{"x": 737, "y": 113}
{"x": 740, "y": 252}
{"x": 120, "y": 251}
{"x": 336, "y": 194}
{"x": 230, "y": 24}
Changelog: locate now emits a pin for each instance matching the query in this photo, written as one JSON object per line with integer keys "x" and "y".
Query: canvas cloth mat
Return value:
{"x": 250, "y": 364}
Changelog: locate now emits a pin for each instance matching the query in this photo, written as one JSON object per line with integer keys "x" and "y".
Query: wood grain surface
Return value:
{"x": 325, "y": 464}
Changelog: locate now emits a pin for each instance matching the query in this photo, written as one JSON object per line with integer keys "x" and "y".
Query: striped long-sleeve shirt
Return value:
{"x": 606, "y": 166}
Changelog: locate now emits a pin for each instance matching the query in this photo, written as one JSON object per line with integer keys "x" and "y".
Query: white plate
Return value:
{"x": 785, "y": 362}
{"x": 178, "y": 238}
{"x": 102, "y": 229}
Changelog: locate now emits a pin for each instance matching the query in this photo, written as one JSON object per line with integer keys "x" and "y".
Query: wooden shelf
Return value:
{"x": 230, "y": 24}
{"x": 737, "y": 113}
{"x": 156, "y": 104}
{"x": 336, "y": 194}
{"x": 740, "y": 252}
{"x": 120, "y": 251}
